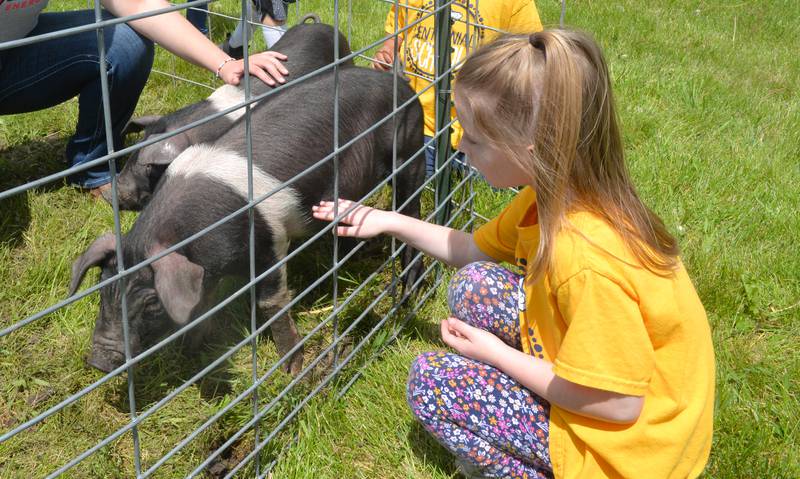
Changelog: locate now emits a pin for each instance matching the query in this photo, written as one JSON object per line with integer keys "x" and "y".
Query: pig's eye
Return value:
{"x": 152, "y": 304}
{"x": 154, "y": 170}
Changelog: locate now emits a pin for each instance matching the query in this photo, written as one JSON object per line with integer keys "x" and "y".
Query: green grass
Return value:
{"x": 707, "y": 94}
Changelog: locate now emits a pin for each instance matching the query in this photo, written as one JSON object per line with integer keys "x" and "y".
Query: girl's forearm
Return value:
{"x": 170, "y": 30}
{"x": 537, "y": 375}
{"x": 454, "y": 247}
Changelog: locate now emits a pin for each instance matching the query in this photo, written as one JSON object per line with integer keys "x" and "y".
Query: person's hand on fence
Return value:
{"x": 472, "y": 342}
{"x": 383, "y": 60}
{"x": 384, "y": 56}
{"x": 361, "y": 222}
{"x": 173, "y": 32}
{"x": 267, "y": 66}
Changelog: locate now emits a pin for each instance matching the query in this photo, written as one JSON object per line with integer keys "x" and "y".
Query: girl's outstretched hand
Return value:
{"x": 472, "y": 342}
{"x": 363, "y": 221}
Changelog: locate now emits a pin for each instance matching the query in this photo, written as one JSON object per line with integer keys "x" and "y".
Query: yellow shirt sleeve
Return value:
{"x": 498, "y": 237}
{"x": 606, "y": 345}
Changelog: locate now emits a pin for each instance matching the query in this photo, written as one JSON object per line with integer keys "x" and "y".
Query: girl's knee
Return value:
{"x": 432, "y": 369}
{"x": 418, "y": 382}
{"x": 429, "y": 380}
{"x": 467, "y": 280}
{"x": 483, "y": 294}
{"x": 420, "y": 368}
{"x": 132, "y": 52}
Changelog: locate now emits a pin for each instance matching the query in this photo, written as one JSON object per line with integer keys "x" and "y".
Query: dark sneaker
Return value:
{"x": 233, "y": 52}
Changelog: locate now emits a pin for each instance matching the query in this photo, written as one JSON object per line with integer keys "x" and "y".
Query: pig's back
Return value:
{"x": 294, "y": 131}
{"x": 204, "y": 185}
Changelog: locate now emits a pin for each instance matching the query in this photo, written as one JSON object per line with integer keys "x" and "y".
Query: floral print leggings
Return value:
{"x": 494, "y": 426}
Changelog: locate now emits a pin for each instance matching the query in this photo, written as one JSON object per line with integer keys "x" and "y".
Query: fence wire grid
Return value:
{"x": 353, "y": 299}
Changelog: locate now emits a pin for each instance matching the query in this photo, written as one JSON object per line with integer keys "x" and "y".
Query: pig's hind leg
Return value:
{"x": 273, "y": 294}
{"x": 408, "y": 183}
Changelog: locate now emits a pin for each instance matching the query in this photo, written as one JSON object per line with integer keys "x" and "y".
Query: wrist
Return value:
{"x": 222, "y": 65}
{"x": 392, "y": 223}
{"x": 501, "y": 356}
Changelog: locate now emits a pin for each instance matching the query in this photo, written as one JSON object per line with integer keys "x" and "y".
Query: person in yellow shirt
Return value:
{"x": 474, "y": 23}
{"x": 591, "y": 356}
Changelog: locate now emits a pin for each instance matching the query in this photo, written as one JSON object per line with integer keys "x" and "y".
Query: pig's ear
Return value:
{"x": 103, "y": 248}
{"x": 135, "y": 125}
{"x": 179, "y": 284}
{"x": 169, "y": 150}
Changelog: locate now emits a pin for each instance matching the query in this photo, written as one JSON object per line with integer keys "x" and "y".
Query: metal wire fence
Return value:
{"x": 361, "y": 316}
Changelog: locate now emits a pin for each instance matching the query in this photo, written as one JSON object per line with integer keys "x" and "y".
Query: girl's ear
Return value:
{"x": 531, "y": 149}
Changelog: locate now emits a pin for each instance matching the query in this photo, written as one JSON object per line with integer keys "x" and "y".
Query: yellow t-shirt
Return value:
{"x": 417, "y": 48}
{"x": 608, "y": 324}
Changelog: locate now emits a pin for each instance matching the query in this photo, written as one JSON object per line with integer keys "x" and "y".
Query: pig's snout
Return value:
{"x": 105, "y": 360}
{"x": 127, "y": 196}
{"x": 106, "y": 194}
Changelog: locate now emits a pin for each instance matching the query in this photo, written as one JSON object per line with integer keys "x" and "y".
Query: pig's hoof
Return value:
{"x": 294, "y": 365}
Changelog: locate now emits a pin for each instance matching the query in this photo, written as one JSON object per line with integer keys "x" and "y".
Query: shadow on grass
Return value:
{"x": 32, "y": 160}
{"x": 428, "y": 330}
{"x": 15, "y": 217}
{"x": 23, "y": 164}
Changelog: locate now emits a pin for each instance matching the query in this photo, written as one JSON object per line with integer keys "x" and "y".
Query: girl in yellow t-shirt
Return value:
{"x": 595, "y": 359}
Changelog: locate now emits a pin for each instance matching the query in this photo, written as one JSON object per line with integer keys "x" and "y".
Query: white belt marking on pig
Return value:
{"x": 282, "y": 211}
{"x": 225, "y": 97}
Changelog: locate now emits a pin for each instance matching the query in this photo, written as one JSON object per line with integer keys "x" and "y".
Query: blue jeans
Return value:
{"x": 198, "y": 16}
{"x": 45, "y": 74}
{"x": 430, "y": 158}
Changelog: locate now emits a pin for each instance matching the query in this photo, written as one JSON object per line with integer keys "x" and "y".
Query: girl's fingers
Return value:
{"x": 282, "y": 69}
{"x": 446, "y": 335}
{"x": 322, "y": 215}
{"x": 278, "y": 55}
{"x": 450, "y": 336}
{"x": 265, "y": 78}
{"x": 275, "y": 72}
{"x": 328, "y": 205}
{"x": 344, "y": 205}
{"x": 459, "y": 328}
{"x": 325, "y": 211}
{"x": 263, "y": 74}
{"x": 455, "y": 324}
{"x": 277, "y": 59}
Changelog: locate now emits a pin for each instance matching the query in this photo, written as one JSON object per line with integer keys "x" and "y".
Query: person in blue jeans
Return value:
{"x": 459, "y": 162}
{"x": 198, "y": 16}
{"x": 271, "y": 14}
{"x": 43, "y": 74}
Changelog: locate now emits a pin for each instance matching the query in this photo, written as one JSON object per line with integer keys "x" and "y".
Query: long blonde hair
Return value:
{"x": 545, "y": 100}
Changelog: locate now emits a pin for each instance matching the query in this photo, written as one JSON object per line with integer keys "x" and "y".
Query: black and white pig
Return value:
{"x": 209, "y": 181}
{"x": 308, "y": 47}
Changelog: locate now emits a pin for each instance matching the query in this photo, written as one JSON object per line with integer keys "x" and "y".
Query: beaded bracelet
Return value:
{"x": 219, "y": 68}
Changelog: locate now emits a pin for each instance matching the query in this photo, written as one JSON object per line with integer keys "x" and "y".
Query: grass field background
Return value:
{"x": 707, "y": 95}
